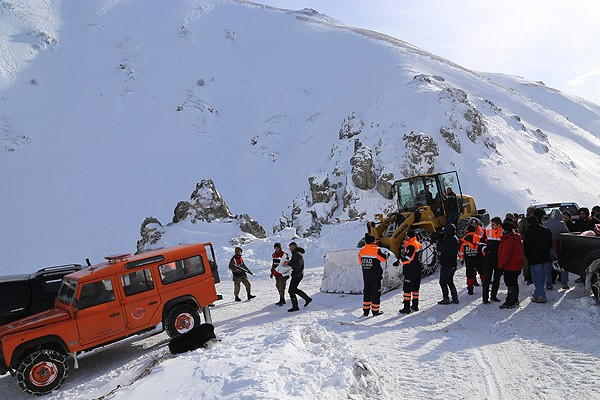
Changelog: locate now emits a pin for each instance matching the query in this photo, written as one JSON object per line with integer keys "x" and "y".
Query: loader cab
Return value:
{"x": 426, "y": 191}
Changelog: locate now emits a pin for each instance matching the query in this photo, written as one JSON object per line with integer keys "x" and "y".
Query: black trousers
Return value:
{"x": 447, "y": 282}
{"x": 511, "y": 278}
{"x": 491, "y": 274}
{"x": 293, "y": 290}
{"x": 372, "y": 287}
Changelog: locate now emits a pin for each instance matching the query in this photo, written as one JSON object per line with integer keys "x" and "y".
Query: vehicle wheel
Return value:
{"x": 429, "y": 254}
{"x": 181, "y": 319}
{"x": 42, "y": 371}
{"x": 595, "y": 281}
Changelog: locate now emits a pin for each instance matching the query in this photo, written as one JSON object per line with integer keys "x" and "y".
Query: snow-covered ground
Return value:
{"x": 327, "y": 351}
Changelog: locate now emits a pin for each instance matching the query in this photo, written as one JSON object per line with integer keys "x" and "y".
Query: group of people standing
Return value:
{"x": 504, "y": 249}
{"x": 282, "y": 269}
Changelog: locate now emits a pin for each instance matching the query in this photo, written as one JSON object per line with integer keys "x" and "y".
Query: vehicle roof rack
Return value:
{"x": 117, "y": 257}
{"x": 55, "y": 269}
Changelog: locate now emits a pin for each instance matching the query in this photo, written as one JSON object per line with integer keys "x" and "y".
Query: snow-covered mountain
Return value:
{"x": 112, "y": 111}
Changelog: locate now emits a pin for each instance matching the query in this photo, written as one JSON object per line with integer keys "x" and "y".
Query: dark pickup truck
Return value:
{"x": 26, "y": 294}
{"x": 581, "y": 256}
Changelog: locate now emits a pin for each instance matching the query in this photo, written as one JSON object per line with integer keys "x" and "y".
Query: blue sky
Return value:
{"x": 557, "y": 42}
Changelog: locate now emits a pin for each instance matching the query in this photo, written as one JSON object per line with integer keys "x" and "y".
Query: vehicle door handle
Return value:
{"x": 114, "y": 315}
{"x": 152, "y": 303}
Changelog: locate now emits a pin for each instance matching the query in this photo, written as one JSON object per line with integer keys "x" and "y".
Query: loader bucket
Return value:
{"x": 343, "y": 273}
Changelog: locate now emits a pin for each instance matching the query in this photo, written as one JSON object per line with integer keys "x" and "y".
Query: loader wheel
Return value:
{"x": 595, "y": 281}
{"x": 42, "y": 371}
{"x": 461, "y": 230}
{"x": 429, "y": 254}
{"x": 181, "y": 319}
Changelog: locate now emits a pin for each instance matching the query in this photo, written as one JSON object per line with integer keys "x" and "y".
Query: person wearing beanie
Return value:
{"x": 280, "y": 279}
{"x": 448, "y": 249}
{"x": 412, "y": 270}
{"x": 238, "y": 269}
{"x": 297, "y": 265}
{"x": 510, "y": 261}
{"x": 370, "y": 258}
{"x": 537, "y": 246}
{"x": 471, "y": 255}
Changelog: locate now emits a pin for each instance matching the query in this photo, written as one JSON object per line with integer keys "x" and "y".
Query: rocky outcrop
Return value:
{"x": 352, "y": 126}
{"x": 451, "y": 138}
{"x": 206, "y": 204}
{"x": 250, "y": 226}
{"x": 319, "y": 188}
{"x": 421, "y": 151}
{"x": 385, "y": 185}
{"x": 151, "y": 232}
{"x": 363, "y": 173}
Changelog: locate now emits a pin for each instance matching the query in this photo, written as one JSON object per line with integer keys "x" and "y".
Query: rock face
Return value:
{"x": 363, "y": 174}
{"x": 151, "y": 232}
{"x": 352, "y": 126}
{"x": 319, "y": 188}
{"x": 206, "y": 204}
{"x": 421, "y": 151}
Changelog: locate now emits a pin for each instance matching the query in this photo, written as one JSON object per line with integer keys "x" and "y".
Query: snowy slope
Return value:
{"x": 112, "y": 111}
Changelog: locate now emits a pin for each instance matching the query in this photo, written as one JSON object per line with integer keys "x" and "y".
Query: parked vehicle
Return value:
{"x": 26, "y": 294}
{"x": 581, "y": 256}
{"x": 569, "y": 206}
{"x": 124, "y": 296}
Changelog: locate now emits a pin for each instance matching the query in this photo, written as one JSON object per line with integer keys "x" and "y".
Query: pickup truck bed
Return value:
{"x": 581, "y": 255}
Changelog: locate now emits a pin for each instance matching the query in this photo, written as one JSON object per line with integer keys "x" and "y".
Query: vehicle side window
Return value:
{"x": 137, "y": 282}
{"x": 181, "y": 269}
{"x": 51, "y": 286}
{"x": 95, "y": 293}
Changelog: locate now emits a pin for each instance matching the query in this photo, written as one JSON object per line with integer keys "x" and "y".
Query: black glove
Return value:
{"x": 396, "y": 263}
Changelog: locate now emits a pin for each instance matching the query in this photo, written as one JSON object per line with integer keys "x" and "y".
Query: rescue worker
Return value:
{"x": 239, "y": 269}
{"x": 470, "y": 254}
{"x": 491, "y": 273}
{"x": 280, "y": 279}
{"x": 297, "y": 265}
{"x": 510, "y": 260}
{"x": 480, "y": 231}
{"x": 370, "y": 258}
{"x": 411, "y": 269}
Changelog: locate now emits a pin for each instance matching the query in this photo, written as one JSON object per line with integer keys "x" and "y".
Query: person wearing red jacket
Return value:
{"x": 510, "y": 261}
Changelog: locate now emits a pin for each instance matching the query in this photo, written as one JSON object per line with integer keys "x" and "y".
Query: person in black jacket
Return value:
{"x": 297, "y": 265}
{"x": 448, "y": 249}
{"x": 451, "y": 207}
{"x": 537, "y": 246}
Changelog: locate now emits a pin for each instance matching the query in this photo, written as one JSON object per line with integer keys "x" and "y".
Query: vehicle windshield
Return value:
{"x": 562, "y": 207}
{"x": 66, "y": 294}
{"x": 412, "y": 193}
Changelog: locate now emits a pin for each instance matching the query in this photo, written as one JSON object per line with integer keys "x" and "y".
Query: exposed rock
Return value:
{"x": 250, "y": 226}
{"x": 363, "y": 174}
{"x": 454, "y": 94}
{"x": 428, "y": 78}
{"x": 206, "y": 203}
{"x": 385, "y": 185}
{"x": 351, "y": 126}
{"x": 182, "y": 211}
{"x": 151, "y": 232}
{"x": 451, "y": 138}
{"x": 421, "y": 151}
{"x": 319, "y": 188}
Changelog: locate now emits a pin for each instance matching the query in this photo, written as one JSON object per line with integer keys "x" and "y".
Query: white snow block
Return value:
{"x": 343, "y": 274}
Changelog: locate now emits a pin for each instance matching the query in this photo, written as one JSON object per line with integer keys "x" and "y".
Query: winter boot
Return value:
{"x": 250, "y": 296}
{"x": 470, "y": 289}
{"x": 406, "y": 309}
{"x": 366, "y": 312}
{"x": 237, "y": 298}
{"x": 294, "y": 305}
{"x": 444, "y": 301}
{"x": 307, "y": 301}
{"x": 376, "y": 313}
{"x": 415, "y": 305}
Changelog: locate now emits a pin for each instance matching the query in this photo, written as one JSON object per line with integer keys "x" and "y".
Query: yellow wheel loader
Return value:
{"x": 422, "y": 206}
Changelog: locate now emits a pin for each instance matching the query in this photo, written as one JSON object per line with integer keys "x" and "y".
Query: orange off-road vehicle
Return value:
{"x": 104, "y": 303}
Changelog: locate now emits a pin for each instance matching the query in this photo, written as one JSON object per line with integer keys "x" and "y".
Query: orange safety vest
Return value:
{"x": 410, "y": 256}
{"x": 470, "y": 240}
{"x": 371, "y": 256}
